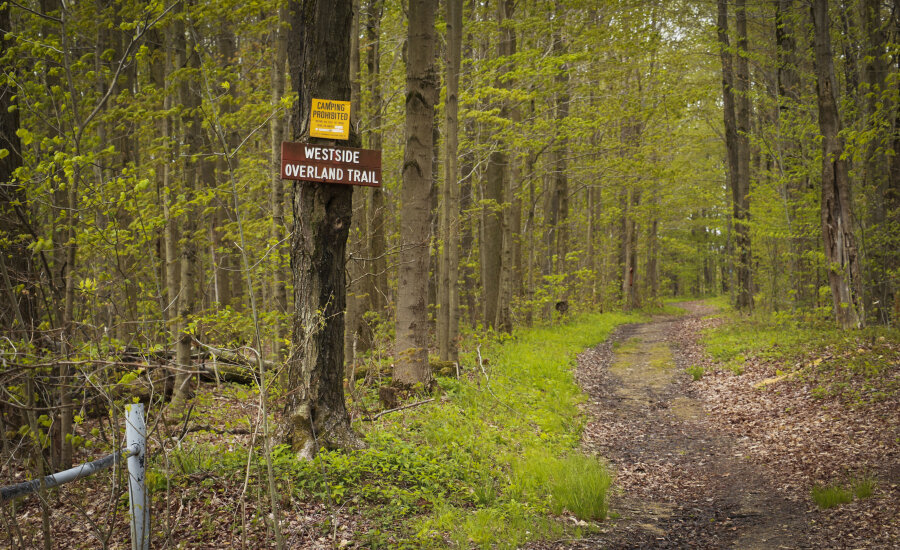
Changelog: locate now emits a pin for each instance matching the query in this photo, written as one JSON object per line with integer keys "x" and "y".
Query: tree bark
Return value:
{"x": 879, "y": 110}
{"x": 276, "y": 185}
{"x": 449, "y": 310}
{"x": 315, "y": 412}
{"x": 837, "y": 217}
{"x": 411, "y": 345}
{"x": 226, "y": 265}
{"x": 632, "y": 198}
{"x": 189, "y": 94}
{"x": 561, "y": 164}
{"x": 377, "y": 247}
{"x": 737, "y": 148}
{"x": 503, "y": 320}
{"x": 19, "y": 313}
{"x": 356, "y": 334}
{"x": 741, "y": 192}
{"x": 789, "y": 151}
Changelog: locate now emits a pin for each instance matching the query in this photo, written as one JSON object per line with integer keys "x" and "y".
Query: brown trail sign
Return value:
{"x": 330, "y": 164}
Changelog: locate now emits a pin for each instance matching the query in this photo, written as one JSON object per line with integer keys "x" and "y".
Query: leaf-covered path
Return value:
{"x": 680, "y": 481}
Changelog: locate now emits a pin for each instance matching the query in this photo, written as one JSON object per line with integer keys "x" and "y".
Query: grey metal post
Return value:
{"x": 136, "y": 438}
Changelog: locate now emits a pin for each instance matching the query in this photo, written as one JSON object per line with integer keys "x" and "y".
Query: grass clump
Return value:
{"x": 696, "y": 372}
{"x": 864, "y": 488}
{"x": 829, "y": 496}
{"x": 579, "y": 485}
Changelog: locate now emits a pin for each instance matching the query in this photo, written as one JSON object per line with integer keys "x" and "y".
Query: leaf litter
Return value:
{"x": 725, "y": 461}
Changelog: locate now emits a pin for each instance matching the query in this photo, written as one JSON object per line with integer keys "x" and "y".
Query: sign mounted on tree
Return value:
{"x": 330, "y": 164}
{"x": 329, "y": 119}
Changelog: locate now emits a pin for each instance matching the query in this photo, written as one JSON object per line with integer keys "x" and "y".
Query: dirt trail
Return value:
{"x": 680, "y": 483}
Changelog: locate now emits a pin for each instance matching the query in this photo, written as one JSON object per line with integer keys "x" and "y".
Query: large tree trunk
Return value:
{"x": 411, "y": 346}
{"x": 449, "y": 306}
{"x": 315, "y": 412}
{"x": 837, "y": 217}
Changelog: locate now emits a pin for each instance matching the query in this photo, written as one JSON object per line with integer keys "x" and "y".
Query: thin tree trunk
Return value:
{"x": 70, "y": 249}
{"x": 503, "y": 319}
{"x": 377, "y": 247}
{"x": 790, "y": 155}
{"x": 447, "y": 338}
{"x": 837, "y": 217}
{"x": 876, "y": 174}
{"x": 561, "y": 166}
{"x": 169, "y": 194}
{"x": 356, "y": 333}
{"x": 411, "y": 345}
{"x": 190, "y": 127}
{"x": 730, "y": 117}
{"x": 467, "y": 237}
{"x": 741, "y": 192}
{"x": 276, "y": 186}
{"x": 629, "y": 250}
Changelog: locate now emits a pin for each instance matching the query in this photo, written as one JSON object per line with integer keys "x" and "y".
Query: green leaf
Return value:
{"x": 25, "y": 136}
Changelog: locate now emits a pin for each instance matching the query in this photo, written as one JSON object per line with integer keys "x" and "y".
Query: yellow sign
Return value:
{"x": 330, "y": 119}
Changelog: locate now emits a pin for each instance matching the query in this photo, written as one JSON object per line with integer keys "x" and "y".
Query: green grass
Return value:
{"x": 493, "y": 463}
{"x": 858, "y": 367}
{"x": 829, "y": 496}
{"x": 864, "y": 488}
{"x": 579, "y": 484}
{"x": 489, "y": 465}
{"x": 696, "y": 372}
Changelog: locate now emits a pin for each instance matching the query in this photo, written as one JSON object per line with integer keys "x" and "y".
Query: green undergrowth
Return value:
{"x": 488, "y": 465}
{"x": 858, "y": 367}
{"x": 491, "y": 463}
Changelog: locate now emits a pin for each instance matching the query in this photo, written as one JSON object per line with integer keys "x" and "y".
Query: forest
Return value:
{"x": 393, "y": 364}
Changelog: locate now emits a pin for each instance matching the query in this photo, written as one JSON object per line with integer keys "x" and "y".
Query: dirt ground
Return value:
{"x": 684, "y": 477}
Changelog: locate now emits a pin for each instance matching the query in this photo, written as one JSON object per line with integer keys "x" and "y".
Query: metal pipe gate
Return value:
{"x": 135, "y": 454}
